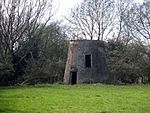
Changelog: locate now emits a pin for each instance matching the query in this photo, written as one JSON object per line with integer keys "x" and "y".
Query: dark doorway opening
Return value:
{"x": 73, "y": 77}
{"x": 88, "y": 61}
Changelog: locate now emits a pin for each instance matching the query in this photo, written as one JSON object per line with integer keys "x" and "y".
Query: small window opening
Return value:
{"x": 88, "y": 61}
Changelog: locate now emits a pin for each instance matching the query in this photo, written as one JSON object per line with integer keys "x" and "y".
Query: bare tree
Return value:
{"x": 138, "y": 21}
{"x": 93, "y": 19}
{"x": 122, "y": 6}
{"x": 18, "y": 21}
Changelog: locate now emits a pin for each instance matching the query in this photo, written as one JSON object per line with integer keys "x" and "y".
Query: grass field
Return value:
{"x": 96, "y": 98}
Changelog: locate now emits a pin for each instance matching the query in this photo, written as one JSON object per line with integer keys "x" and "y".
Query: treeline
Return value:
{"x": 33, "y": 49}
{"x": 128, "y": 62}
{"x": 40, "y": 59}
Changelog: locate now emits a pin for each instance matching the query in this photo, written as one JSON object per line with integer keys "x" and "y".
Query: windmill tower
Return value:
{"x": 86, "y": 62}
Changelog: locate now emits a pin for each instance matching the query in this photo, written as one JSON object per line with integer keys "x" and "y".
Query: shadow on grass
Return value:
{"x": 6, "y": 110}
{"x": 11, "y": 96}
{"x": 104, "y": 112}
{"x": 27, "y": 86}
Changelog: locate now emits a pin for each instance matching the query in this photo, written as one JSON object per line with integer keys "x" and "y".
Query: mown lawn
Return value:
{"x": 96, "y": 98}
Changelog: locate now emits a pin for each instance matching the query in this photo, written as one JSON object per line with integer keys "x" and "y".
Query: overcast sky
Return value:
{"x": 64, "y": 6}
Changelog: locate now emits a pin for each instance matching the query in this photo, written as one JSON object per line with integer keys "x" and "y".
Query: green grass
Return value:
{"x": 96, "y": 98}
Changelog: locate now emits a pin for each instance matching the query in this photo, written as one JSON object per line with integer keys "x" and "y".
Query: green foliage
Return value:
{"x": 127, "y": 62}
{"x": 49, "y": 66}
{"x": 6, "y": 73}
{"x": 6, "y": 69}
{"x": 38, "y": 59}
{"x": 94, "y": 98}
